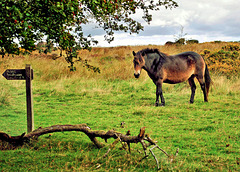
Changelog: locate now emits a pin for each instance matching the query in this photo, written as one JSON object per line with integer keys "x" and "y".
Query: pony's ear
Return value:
{"x": 134, "y": 53}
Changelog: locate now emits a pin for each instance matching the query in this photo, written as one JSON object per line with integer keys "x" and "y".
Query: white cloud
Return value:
{"x": 205, "y": 20}
{"x": 125, "y": 39}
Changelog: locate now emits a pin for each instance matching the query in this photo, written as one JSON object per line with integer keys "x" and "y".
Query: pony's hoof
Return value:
{"x": 157, "y": 104}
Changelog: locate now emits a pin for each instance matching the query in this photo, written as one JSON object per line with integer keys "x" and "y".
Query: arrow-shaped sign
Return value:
{"x": 15, "y": 74}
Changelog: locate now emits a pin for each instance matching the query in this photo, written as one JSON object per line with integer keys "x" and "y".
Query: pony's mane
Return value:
{"x": 148, "y": 50}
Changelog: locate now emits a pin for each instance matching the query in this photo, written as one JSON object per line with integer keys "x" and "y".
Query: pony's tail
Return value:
{"x": 208, "y": 80}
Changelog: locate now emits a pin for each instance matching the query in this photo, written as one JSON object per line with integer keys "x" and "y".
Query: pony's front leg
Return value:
{"x": 193, "y": 88}
{"x": 159, "y": 93}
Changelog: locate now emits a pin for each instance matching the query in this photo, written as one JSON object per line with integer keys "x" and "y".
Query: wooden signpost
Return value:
{"x": 24, "y": 74}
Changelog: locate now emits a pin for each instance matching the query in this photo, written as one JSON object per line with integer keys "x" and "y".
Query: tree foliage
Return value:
{"x": 27, "y": 22}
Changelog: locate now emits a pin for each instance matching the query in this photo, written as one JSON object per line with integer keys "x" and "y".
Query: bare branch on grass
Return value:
{"x": 125, "y": 139}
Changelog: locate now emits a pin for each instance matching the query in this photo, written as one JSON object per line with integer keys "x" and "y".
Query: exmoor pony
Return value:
{"x": 173, "y": 69}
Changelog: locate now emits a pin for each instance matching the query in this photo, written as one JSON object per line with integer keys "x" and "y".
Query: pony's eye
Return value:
{"x": 135, "y": 62}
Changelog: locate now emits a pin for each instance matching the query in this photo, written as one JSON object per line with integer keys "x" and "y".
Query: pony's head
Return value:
{"x": 138, "y": 62}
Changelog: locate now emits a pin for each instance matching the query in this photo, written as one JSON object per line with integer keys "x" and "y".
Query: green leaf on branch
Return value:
{"x": 30, "y": 21}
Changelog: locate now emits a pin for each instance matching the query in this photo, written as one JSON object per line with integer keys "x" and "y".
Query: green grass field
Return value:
{"x": 207, "y": 134}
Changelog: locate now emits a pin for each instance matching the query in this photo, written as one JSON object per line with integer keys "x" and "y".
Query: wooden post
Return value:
{"x": 30, "y": 116}
{"x": 24, "y": 74}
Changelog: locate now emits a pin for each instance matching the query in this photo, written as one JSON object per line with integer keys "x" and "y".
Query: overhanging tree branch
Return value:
{"x": 29, "y": 21}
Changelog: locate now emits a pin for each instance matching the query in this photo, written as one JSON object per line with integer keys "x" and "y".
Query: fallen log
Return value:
{"x": 92, "y": 134}
{"x": 127, "y": 139}
{"x": 14, "y": 140}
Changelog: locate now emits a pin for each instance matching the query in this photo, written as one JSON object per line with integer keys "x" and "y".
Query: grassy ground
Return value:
{"x": 207, "y": 134}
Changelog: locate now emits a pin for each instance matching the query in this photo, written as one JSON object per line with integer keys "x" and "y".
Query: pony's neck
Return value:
{"x": 152, "y": 61}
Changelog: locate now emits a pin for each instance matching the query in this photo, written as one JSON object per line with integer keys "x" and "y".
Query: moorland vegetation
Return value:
{"x": 207, "y": 134}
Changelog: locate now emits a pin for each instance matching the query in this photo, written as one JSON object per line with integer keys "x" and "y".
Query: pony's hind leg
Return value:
{"x": 203, "y": 87}
{"x": 193, "y": 88}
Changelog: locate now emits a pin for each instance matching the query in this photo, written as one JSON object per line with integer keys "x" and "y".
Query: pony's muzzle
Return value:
{"x": 136, "y": 75}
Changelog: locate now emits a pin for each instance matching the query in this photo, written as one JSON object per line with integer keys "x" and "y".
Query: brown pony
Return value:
{"x": 174, "y": 69}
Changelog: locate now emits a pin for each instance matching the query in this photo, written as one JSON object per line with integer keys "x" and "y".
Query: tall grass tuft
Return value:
{"x": 5, "y": 98}
{"x": 225, "y": 85}
{"x": 5, "y": 95}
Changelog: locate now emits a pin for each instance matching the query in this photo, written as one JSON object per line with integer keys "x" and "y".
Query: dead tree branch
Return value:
{"x": 92, "y": 134}
{"x": 143, "y": 138}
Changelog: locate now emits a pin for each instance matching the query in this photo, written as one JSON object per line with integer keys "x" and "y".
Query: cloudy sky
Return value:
{"x": 204, "y": 20}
